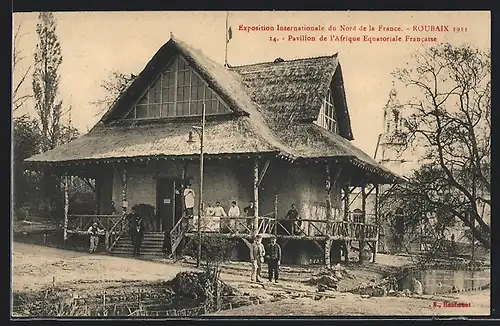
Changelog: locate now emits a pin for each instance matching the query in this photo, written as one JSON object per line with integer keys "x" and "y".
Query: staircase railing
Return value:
{"x": 177, "y": 233}
{"x": 116, "y": 232}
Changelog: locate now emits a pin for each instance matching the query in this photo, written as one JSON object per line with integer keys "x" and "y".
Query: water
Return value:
{"x": 440, "y": 281}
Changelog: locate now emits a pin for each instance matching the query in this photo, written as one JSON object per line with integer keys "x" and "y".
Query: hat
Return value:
{"x": 95, "y": 223}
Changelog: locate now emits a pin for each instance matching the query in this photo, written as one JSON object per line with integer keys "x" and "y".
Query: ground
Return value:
{"x": 353, "y": 305}
{"x": 35, "y": 267}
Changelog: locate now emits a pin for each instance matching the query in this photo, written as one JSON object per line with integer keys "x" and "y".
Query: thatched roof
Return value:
{"x": 312, "y": 141}
{"x": 165, "y": 139}
{"x": 294, "y": 90}
{"x": 273, "y": 106}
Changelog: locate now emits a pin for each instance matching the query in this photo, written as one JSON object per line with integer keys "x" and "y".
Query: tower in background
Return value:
{"x": 391, "y": 142}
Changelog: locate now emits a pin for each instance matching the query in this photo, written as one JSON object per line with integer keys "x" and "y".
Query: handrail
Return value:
{"x": 94, "y": 215}
{"x": 110, "y": 233}
{"x": 176, "y": 234}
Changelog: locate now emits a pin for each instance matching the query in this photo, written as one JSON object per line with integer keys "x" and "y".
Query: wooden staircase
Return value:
{"x": 152, "y": 245}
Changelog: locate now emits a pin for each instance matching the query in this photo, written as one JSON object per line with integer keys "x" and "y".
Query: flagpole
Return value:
{"x": 227, "y": 40}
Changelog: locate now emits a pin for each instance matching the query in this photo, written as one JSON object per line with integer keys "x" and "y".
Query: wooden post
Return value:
{"x": 276, "y": 214}
{"x": 363, "y": 208}
{"x": 200, "y": 200}
{"x": 124, "y": 192}
{"x": 346, "y": 202}
{"x": 66, "y": 208}
{"x": 328, "y": 187}
{"x": 377, "y": 222}
{"x": 256, "y": 195}
{"x": 328, "y": 247}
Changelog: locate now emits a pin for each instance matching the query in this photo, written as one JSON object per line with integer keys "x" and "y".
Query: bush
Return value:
{"x": 21, "y": 213}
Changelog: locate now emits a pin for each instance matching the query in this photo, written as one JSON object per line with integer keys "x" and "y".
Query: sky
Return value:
{"x": 94, "y": 44}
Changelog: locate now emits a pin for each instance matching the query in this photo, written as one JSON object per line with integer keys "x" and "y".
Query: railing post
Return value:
{"x": 106, "y": 240}
{"x": 256, "y": 195}
{"x": 66, "y": 208}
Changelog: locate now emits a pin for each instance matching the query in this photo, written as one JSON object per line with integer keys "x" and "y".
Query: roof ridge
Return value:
{"x": 289, "y": 60}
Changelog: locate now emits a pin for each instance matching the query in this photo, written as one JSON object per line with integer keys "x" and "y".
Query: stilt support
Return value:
{"x": 328, "y": 248}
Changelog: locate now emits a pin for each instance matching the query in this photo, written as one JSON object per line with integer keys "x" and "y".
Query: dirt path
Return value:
{"x": 354, "y": 305}
{"x": 34, "y": 267}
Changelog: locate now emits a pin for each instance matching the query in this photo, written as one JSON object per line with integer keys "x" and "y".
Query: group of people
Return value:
{"x": 258, "y": 255}
{"x": 136, "y": 231}
{"x": 233, "y": 212}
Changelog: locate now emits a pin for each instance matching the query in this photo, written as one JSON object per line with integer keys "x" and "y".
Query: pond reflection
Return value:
{"x": 438, "y": 281}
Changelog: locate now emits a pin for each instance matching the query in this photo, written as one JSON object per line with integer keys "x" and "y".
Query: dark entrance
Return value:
{"x": 168, "y": 203}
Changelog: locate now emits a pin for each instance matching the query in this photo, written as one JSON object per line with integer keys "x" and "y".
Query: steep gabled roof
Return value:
{"x": 226, "y": 83}
{"x": 295, "y": 89}
{"x": 273, "y": 107}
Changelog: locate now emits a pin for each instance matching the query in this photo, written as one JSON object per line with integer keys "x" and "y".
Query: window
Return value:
{"x": 357, "y": 216}
{"x": 178, "y": 91}
{"x": 327, "y": 117}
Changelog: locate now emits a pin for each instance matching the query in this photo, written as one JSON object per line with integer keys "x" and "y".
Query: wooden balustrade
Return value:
{"x": 321, "y": 228}
{"x": 340, "y": 230}
{"x": 114, "y": 226}
{"x": 83, "y": 222}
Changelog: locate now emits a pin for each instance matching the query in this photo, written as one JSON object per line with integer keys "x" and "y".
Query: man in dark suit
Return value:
{"x": 273, "y": 260}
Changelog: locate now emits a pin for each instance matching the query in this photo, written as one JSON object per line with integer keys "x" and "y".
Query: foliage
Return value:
{"x": 450, "y": 119}
{"x": 214, "y": 251}
{"x": 113, "y": 86}
{"x": 46, "y": 78}
{"x": 82, "y": 199}
{"x": 26, "y": 142}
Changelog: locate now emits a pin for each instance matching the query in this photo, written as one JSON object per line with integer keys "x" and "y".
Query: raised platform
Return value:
{"x": 278, "y": 236}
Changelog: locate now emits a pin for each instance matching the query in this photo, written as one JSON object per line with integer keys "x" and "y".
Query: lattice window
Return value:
{"x": 327, "y": 117}
{"x": 178, "y": 91}
{"x": 357, "y": 216}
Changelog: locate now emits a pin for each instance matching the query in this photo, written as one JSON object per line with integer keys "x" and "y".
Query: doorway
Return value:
{"x": 168, "y": 203}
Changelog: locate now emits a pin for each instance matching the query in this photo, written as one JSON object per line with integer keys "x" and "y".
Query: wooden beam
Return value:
{"x": 371, "y": 190}
{"x": 263, "y": 171}
{"x": 124, "y": 192}
{"x": 256, "y": 195}
{"x": 276, "y": 213}
{"x": 66, "y": 208}
{"x": 363, "y": 208}
{"x": 249, "y": 245}
{"x": 346, "y": 203}
{"x": 320, "y": 247}
{"x": 336, "y": 175}
{"x": 87, "y": 181}
{"x": 328, "y": 247}
{"x": 377, "y": 222}
{"x": 328, "y": 187}
{"x": 117, "y": 172}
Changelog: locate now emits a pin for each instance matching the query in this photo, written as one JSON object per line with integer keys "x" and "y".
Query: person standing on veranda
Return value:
{"x": 189, "y": 200}
{"x": 233, "y": 214}
{"x": 273, "y": 260}
{"x": 220, "y": 213}
{"x": 94, "y": 233}
{"x": 189, "y": 197}
{"x": 250, "y": 213}
{"x": 257, "y": 253}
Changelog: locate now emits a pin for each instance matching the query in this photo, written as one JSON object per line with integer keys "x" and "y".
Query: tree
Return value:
{"x": 27, "y": 142}
{"x": 450, "y": 119}
{"x": 45, "y": 84}
{"x": 17, "y": 56}
{"x": 113, "y": 86}
{"x": 48, "y": 58}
